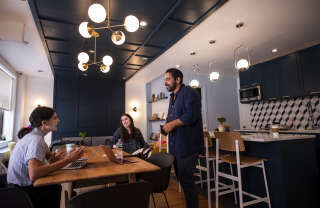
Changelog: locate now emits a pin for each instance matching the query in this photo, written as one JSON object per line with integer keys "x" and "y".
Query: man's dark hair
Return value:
{"x": 175, "y": 73}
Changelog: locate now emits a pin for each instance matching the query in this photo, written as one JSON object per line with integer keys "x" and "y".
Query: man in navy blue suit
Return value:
{"x": 184, "y": 126}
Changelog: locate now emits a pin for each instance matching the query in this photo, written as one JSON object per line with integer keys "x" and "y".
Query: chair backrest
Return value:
{"x": 227, "y": 141}
{"x": 159, "y": 179}
{"x": 14, "y": 198}
{"x": 120, "y": 196}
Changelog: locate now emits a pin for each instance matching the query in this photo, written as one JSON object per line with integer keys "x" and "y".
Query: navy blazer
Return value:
{"x": 188, "y": 139}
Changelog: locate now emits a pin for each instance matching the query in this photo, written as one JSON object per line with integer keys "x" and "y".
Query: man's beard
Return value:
{"x": 172, "y": 88}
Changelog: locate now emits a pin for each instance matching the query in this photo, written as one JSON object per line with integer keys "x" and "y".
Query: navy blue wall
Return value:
{"x": 90, "y": 104}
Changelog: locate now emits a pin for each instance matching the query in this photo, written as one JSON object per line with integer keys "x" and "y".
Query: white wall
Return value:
{"x": 31, "y": 92}
{"x": 136, "y": 97}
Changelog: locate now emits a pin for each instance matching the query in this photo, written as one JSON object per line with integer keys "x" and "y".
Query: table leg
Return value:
{"x": 132, "y": 178}
{"x": 65, "y": 187}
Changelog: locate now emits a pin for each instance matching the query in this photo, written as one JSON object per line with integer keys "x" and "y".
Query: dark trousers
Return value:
{"x": 184, "y": 168}
{"x": 46, "y": 196}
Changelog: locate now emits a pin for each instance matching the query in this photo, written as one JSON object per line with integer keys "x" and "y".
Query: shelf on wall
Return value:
{"x": 158, "y": 100}
{"x": 158, "y": 120}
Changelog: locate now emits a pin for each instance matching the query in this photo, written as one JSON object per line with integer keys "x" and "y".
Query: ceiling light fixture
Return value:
{"x": 274, "y": 50}
{"x": 213, "y": 76}
{"x": 241, "y": 58}
{"x": 98, "y": 14}
{"x": 194, "y": 82}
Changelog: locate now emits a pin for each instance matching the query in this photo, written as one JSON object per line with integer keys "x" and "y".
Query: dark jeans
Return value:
{"x": 184, "y": 169}
{"x": 46, "y": 196}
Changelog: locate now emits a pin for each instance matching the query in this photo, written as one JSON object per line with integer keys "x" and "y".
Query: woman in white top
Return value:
{"x": 32, "y": 159}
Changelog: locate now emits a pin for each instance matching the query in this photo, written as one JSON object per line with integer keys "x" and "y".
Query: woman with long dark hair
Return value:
{"x": 32, "y": 159}
{"x": 130, "y": 136}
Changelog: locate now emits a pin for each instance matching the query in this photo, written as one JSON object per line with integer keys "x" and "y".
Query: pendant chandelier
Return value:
{"x": 213, "y": 76}
{"x": 241, "y": 58}
{"x": 98, "y": 14}
{"x": 195, "y": 82}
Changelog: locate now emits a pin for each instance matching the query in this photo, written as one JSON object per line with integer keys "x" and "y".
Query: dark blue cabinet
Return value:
{"x": 289, "y": 77}
{"x": 251, "y": 77}
{"x": 309, "y": 61}
{"x": 270, "y": 81}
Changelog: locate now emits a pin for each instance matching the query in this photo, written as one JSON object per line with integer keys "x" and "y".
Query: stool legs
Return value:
{"x": 266, "y": 184}
{"x": 233, "y": 186}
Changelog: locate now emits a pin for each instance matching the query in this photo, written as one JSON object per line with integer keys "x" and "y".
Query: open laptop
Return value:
{"x": 80, "y": 163}
{"x": 108, "y": 151}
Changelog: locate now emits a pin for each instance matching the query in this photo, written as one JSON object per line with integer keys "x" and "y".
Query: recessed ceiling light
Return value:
{"x": 143, "y": 23}
{"x": 212, "y": 41}
{"x": 239, "y": 24}
{"x": 192, "y": 53}
{"x": 274, "y": 50}
{"x": 40, "y": 70}
{"x": 178, "y": 66}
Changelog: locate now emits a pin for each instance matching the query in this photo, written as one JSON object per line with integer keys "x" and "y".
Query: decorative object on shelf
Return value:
{"x": 83, "y": 136}
{"x": 163, "y": 116}
{"x": 153, "y": 97}
{"x": 98, "y": 14}
{"x": 154, "y": 117}
{"x": 221, "y": 127}
{"x": 241, "y": 58}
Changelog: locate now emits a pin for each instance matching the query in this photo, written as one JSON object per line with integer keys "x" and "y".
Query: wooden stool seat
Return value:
{"x": 247, "y": 160}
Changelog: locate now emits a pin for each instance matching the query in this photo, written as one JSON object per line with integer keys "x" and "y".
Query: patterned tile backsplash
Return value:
{"x": 293, "y": 113}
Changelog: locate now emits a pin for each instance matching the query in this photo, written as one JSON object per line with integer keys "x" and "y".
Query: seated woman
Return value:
{"x": 28, "y": 161}
{"x": 130, "y": 136}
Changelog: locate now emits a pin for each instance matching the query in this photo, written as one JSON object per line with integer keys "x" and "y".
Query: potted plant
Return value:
{"x": 221, "y": 120}
{"x": 83, "y": 137}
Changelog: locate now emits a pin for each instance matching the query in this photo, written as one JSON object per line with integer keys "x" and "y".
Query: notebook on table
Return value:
{"x": 80, "y": 163}
{"x": 112, "y": 157}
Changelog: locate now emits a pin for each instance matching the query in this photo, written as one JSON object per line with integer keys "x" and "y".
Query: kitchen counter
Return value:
{"x": 290, "y": 131}
{"x": 266, "y": 137}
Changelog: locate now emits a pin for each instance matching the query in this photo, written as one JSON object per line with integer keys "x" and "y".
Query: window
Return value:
{"x": 7, "y": 102}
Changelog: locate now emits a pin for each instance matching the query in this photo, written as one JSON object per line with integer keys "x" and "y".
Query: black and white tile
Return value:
{"x": 292, "y": 113}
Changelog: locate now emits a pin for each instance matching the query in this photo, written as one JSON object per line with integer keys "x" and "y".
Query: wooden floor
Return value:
{"x": 176, "y": 199}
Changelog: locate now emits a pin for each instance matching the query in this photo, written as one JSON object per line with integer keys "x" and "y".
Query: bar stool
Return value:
{"x": 232, "y": 141}
{"x": 210, "y": 157}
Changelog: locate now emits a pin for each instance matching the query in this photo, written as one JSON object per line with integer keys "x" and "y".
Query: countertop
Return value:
{"x": 263, "y": 137}
{"x": 290, "y": 131}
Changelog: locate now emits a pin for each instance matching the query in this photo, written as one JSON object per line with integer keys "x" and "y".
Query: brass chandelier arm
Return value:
{"x": 111, "y": 26}
{"x": 95, "y": 50}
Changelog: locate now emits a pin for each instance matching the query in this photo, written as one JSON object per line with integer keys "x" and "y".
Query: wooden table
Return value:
{"x": 98, "y": 167}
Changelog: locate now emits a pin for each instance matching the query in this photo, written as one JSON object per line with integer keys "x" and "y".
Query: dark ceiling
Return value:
{"x": 168, "y": 21}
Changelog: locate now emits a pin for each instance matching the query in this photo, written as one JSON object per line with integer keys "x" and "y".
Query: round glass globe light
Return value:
{"x": 214, "y": 76}
{"x": 118, "y": 37}
{"x": 83, "y": 30}
{"x": 107, "y": 60}
{"x": 194, "y": 83}
{"x": 242, "y": 65}
{"x": 105, "y": 68}
{"x": 81, "y": 67}
{"x": 97, "y": 13}
{"x": 131, "y": 23}
{"x": 83, "y": 57}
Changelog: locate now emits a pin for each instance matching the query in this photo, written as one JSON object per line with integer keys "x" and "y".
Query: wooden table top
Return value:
{"x": 97, "y": 167}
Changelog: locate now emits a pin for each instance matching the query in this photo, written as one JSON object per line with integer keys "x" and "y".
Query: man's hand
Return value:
{"x": 59, "y": 155}
{"x": 168, "y": 127}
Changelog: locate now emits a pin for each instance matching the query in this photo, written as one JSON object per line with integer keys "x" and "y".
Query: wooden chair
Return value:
{"x": 209, "y": 157}
{"x": 232, "y": 141}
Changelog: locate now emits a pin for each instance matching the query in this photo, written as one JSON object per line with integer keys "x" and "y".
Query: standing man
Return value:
{"x": 184, "y": 125}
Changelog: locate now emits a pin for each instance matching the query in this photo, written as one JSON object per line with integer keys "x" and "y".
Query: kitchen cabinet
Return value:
{"x": 290, "y": 80}
{"x": 251, "y": 77}
{"x": 309, "y": 62}
{"x": 270, "y": 82}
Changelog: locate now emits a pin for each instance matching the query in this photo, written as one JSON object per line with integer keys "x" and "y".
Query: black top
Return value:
{"x": 131, "y": 144}
{"x": 188, "y": 139}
